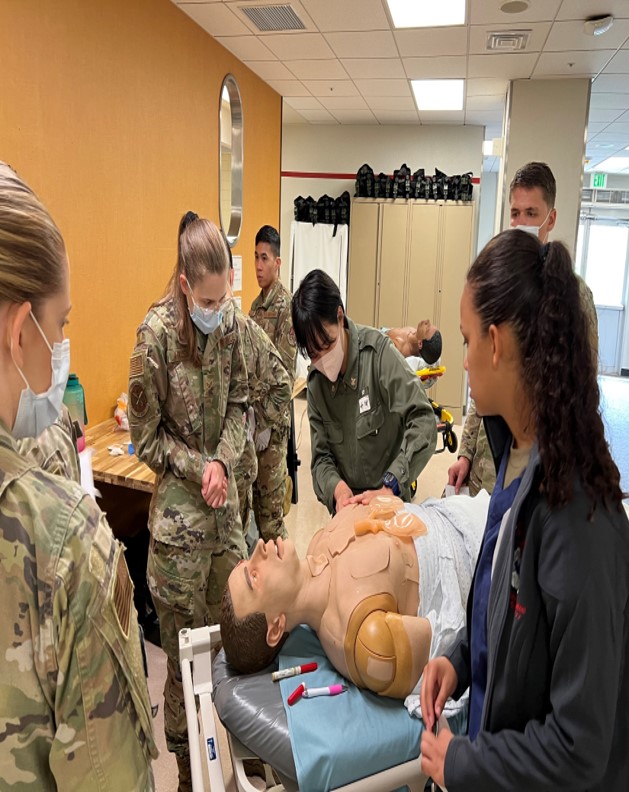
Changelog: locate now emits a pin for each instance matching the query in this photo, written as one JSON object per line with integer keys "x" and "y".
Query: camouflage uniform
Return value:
{"x": 55, "y": 448}
{"x": 273, "y": 314}
{"x": 269, "y": 394}
{"x": 376, "y": 418}
{"x": 181, "y": 416}
{"x": 74, "y": 707}
{"x": 474, "y": 444}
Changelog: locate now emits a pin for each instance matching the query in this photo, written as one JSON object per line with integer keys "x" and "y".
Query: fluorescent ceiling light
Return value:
{"x": 613, "y": 165}
{"x": 488, "y": 148}
{"x": 438, "y": 94}
{"x": 414, "y": 14}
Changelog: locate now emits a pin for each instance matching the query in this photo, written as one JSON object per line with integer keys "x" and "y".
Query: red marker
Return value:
{"x": 290, "y": 672}
{"x": 296, "y": 695}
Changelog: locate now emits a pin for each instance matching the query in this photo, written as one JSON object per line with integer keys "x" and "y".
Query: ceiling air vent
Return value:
{"x": 275, "y": 17}
{"x": 508, "y": 40}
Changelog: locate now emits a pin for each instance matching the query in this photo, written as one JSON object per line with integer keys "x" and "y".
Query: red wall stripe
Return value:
{"x": 341, "y": 176}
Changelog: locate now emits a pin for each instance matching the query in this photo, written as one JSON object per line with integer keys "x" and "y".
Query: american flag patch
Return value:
{"x": 136, "y": 366}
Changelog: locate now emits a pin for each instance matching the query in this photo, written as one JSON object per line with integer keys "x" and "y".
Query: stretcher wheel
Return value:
{"x": 451, "y": 441}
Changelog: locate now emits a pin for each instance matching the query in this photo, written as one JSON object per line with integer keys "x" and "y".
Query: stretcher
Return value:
{"x": 445, "y": 421}
{"x": 197, "y": 649}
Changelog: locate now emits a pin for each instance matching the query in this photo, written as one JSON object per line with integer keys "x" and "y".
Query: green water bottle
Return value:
{"x": 74, "y": 400}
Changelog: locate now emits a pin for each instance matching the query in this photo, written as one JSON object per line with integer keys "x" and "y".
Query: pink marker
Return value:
{"x": 330, "y": 690}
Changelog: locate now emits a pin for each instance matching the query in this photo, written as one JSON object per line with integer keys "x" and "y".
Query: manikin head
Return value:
{"x": 258, "y": 594}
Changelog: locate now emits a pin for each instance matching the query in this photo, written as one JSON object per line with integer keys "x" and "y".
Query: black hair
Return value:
{"x": 315, "y": 302}
{"x": 269, "y": 235}
{"x": 536, "y": 174}
{"x": 431, "y": 348}
{"x": 532, "y": 287}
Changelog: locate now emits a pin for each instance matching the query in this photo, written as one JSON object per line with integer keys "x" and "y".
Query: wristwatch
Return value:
{"x": 389, "y": 480}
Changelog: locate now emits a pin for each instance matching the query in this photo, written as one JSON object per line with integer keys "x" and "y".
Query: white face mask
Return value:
{"x": 329, "y": 364}
{"x": 533, "y": 229}
{"x": 37, "y": 411}
{"x": 206, "y": 319}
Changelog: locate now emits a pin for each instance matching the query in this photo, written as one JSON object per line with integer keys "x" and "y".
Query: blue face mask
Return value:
{"x": 206, "y": 319}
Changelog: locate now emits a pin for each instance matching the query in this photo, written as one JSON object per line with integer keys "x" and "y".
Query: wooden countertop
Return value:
{"x": 127, "y": 470}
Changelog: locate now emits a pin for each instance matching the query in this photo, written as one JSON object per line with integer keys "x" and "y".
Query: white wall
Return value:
{"x": 344, "y": 148}
{"x": 487, "y": 209}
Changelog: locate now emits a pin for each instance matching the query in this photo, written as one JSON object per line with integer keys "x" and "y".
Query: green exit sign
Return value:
{"x": 599, "y": 180}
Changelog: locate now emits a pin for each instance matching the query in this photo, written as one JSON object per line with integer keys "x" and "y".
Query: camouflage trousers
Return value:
{"x": 269, "y": 489}
{"x": 246, "y": 472}
{"x": 187, "y": 582}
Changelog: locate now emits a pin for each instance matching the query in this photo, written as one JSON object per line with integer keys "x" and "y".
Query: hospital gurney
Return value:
{"x": 196, "y": 648}
{"x": 445, "y": 421}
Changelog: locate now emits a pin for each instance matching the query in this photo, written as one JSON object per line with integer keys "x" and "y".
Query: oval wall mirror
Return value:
{"x": 230, "y": 159}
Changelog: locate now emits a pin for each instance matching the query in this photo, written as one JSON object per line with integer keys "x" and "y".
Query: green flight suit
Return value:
{"x": 375, "y": 418}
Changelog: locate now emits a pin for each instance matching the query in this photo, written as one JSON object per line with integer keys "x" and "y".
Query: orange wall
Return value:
{"x": 109, "y": 110}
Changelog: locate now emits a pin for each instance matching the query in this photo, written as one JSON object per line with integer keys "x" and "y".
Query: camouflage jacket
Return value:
{"x": 181, "y": 415}
{"x": 268, "y": 382}
{"x": 74, "y": 706}
{"x": 273, "y": 314}
{"x": 55, "y": 448}
{"x": 375, "y": 418}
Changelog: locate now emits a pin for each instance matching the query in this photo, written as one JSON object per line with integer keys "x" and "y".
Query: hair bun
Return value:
{"x": 188, "y": 218}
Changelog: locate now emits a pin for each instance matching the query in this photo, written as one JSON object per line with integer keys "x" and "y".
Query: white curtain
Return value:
{"x": 318, "y": 247}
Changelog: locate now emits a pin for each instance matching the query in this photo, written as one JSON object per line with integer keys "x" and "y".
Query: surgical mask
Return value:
{"x": 38, "y": 411}
{"x": 329, "y": 364}
{"x": 206, "y": 319}
{"x": 533, "y": 229}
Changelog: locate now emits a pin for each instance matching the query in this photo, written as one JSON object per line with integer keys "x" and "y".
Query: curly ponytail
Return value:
{"x": 533, "y": 288}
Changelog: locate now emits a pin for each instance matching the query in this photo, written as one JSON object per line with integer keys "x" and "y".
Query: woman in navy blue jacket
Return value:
{"x": 547, "y": 638}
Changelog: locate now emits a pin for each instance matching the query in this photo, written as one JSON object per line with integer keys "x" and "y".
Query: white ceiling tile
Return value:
{"x": 568, "y": 36}
{"x": 616, "y": 139}
{"x": 611, "y": 83}
{"x": 343, "y": 102}
{"x": 303, "y": 103}
{"x": 511, "y": 66}
{"x": 558, "y": 63}
{"x": 595, "y": 128}
{"x": 581, "y": 9}
{"x": 442, "y": 117}
{"x": 537, "y": 36}
{"x": 319, "y": 117}
{"x": 481, "y": 103}
{"x": 609, "y": 101}
{"x": 391, "y": 103}
{"x": 355, "y": 117}
{"x": 294, "y": 46}
{"x": 618, "y": 128}
{"x": 397, "y": 116}
{"x": 383, "y": 87}
{"x": 619, "y": 64}
{"x": 318, "y": 70}
{"x": 289, "y": 87}
{"x": 331, "y": 87}
{"x": 347, "y": 14}
{"x": 376, "y": 44}
{"x": 217, "y": 18}
{"x": 624, "y": 118}
{"x": 605, "y": 116}
{"x": 373, "y": 68}
{"x": 484, "y": 12}
{"x": 486, "y": 87}
{"x": 432, "y": 41}
{"x": 434, "y": 68}
{"x": 270, "y": 70}
{"x": 247, "y": 48}
{"x": 291, "y": 116}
